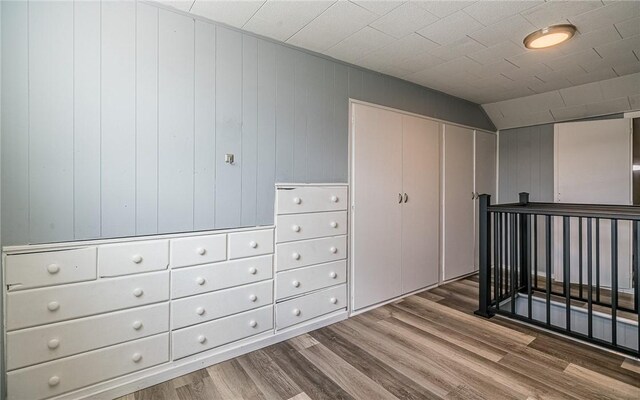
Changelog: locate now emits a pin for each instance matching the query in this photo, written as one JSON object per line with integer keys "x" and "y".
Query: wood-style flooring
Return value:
{"x": 427, "y": 346}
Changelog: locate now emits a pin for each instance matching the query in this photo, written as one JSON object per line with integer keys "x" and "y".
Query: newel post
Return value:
{"x": 484, "y": 299}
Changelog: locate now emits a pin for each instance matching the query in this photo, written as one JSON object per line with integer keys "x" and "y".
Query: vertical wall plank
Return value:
{"x": 51, "y": 121}
{"x": 118, "y": 186}
{"x": 15, "y": 123}
{"x": 228, "y": 127}
{"x": 86, "y": 94}
{"x": 340, "y": 121}
{"x": 546, "y": 162}
{"x": 315, "y": 154}
{"x": 355, "y": 83}
{"x": 205, "y": 126}
{"x": 266, "y": 139}
{"x": 146, "y": 120}
{"x": 249, "y": 129}
{"x": 176, "y": 122}
{"x": 302, "y": 76}
{"x": 285, "y": 125}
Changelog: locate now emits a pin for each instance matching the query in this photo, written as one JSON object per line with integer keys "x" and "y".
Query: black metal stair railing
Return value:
{"x": 558, "y": 266}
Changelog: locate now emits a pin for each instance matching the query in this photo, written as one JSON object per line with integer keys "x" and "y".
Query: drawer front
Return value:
{"x": 133, "y": 258}
{"x": 249, "y": 244}
{"x": 64, "y": 339}
{"x": 312, "y": 199}
{"x": 67, "y": 374}
{"x": 198, "y": 338}
{"x": 308, "y": 252}
{"x": 198, "y": 250}
{"x": 304, "y": 280}
{"x": 206, "y": 307}
{"x": 309, "y": 226}
{"x": 207, "y": 278}
{"x": 25, "y": 271}
{"x": 47, "y": 305}
{"x": 313, "y": 305}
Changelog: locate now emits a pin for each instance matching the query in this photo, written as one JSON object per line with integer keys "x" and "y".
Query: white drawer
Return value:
{"x": 216, "y": 333}
{"x": 25, "y": 271}
{"x": 67, "y": 374}
{"x": 50, "y": 342}
{"x": 311, "y": 199}
{"x": 198, "y": 250}
{"x": 133, "y": 258}
{"x": 207, "y": 278}
{"x": 313, "y": 305}
{"x": 249, "y": 244}
{"x": 308, "y": 252}
{"x": 206, "y": 307}
{"x": 309, "y": 226}
{"x": 304, "y": 280}
{"x": 47, "y": 305}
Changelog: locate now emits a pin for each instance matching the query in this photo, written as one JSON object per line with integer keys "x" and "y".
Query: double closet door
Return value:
{"x": 396, "y": 197}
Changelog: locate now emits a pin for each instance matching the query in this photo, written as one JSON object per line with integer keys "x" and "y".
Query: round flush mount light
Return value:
{"x": 549, "y": 36}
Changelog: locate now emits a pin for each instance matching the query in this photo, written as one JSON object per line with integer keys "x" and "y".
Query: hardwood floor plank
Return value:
{"x": 162, "y": 391}
{"x": 306, "y": 375}
{"x": 268, "y": 376}
{"x": 236, "y": 382}
{"x": 301, "y": 396}
{"x": 384, "y": 375}
{"x": 605, "y": 383}
{"x": 203, "y": 389}
{"x": 631, "y": 365}
{"x": 303, "y": 341}
{"x": 349, "y": 378}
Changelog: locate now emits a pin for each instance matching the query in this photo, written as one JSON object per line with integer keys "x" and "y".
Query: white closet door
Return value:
{"x": 457, "y": 207}
{"x": 377, "y": 183}
{"x": 421, "y": 210}
{"x": 485, "y": 173}
{"x": 593, "y": 166}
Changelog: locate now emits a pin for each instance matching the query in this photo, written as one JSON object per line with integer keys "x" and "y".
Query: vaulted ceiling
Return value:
{"x": 469, "y": 49}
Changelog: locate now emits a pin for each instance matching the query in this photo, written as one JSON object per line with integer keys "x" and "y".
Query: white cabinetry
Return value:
{"x": 396, "y": 191}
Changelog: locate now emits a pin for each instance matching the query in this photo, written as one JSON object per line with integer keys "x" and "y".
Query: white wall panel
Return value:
{"x": 176, "y": 126}
{"x": 118, "y": 116}
{"x": 249, "y": 130}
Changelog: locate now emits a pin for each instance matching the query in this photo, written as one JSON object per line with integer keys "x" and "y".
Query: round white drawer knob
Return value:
{"x": 201, "y": 250}
{"x": 295, "y": 283}
{"x": 202, "y": 339}
{"x": 295, "y": 256}
{"x": 200, "y": 280}
{"x": 253, "y": 271}
{"x": 137, "y": 259}
{"x": 53, "y": 344}
{"x": 253, "y": 324}
{"x": 253, "y": 297}
{"x": 295, "y": 228}
{"x": 199, "y": 310}
{"x": 137, "y": 325}
{"x": 333, "y": 275}
{"x": 136, "y": 357}
{"x": 334, "y": 199}
{"x": 333, "y": 224}
{"x": 137, "y": 292}
{"x": 296, "y": 312}
{"x": 333, "y": 300}
{"x": 253, "y": 244}
{"x": 54, "y": 380}
{"x": 52, "y": 306}
{"x": 297, "y": 200}
{"x": 334, "y": 250}
{"x": 53, "y": 269}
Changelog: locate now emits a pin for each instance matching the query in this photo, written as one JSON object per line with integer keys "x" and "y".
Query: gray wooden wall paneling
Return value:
{"x": 136, "y": 107}
{"x": 526, "y": 163}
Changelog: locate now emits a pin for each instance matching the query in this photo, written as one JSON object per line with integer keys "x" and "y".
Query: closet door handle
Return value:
{"x": 406, "y": 198}
{"x": 399, "y": 198}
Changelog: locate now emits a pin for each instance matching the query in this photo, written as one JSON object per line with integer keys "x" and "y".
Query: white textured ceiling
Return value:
{"x": 469, "y": 49}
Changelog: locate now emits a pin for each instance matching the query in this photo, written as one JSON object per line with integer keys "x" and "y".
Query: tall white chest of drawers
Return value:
{"x": 311, "y": 252}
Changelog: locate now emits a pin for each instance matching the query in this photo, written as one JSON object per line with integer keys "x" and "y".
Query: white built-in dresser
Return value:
{"x": 103, "y": 318}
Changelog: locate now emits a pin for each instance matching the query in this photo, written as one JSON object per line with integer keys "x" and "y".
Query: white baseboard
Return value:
{"x": 152, "y": 376}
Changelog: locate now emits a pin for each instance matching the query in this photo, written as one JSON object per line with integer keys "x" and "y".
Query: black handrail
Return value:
{"x": 509, "y": 270}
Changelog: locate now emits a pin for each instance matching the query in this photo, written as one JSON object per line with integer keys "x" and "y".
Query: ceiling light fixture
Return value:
{"x": 549, "y": 36}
